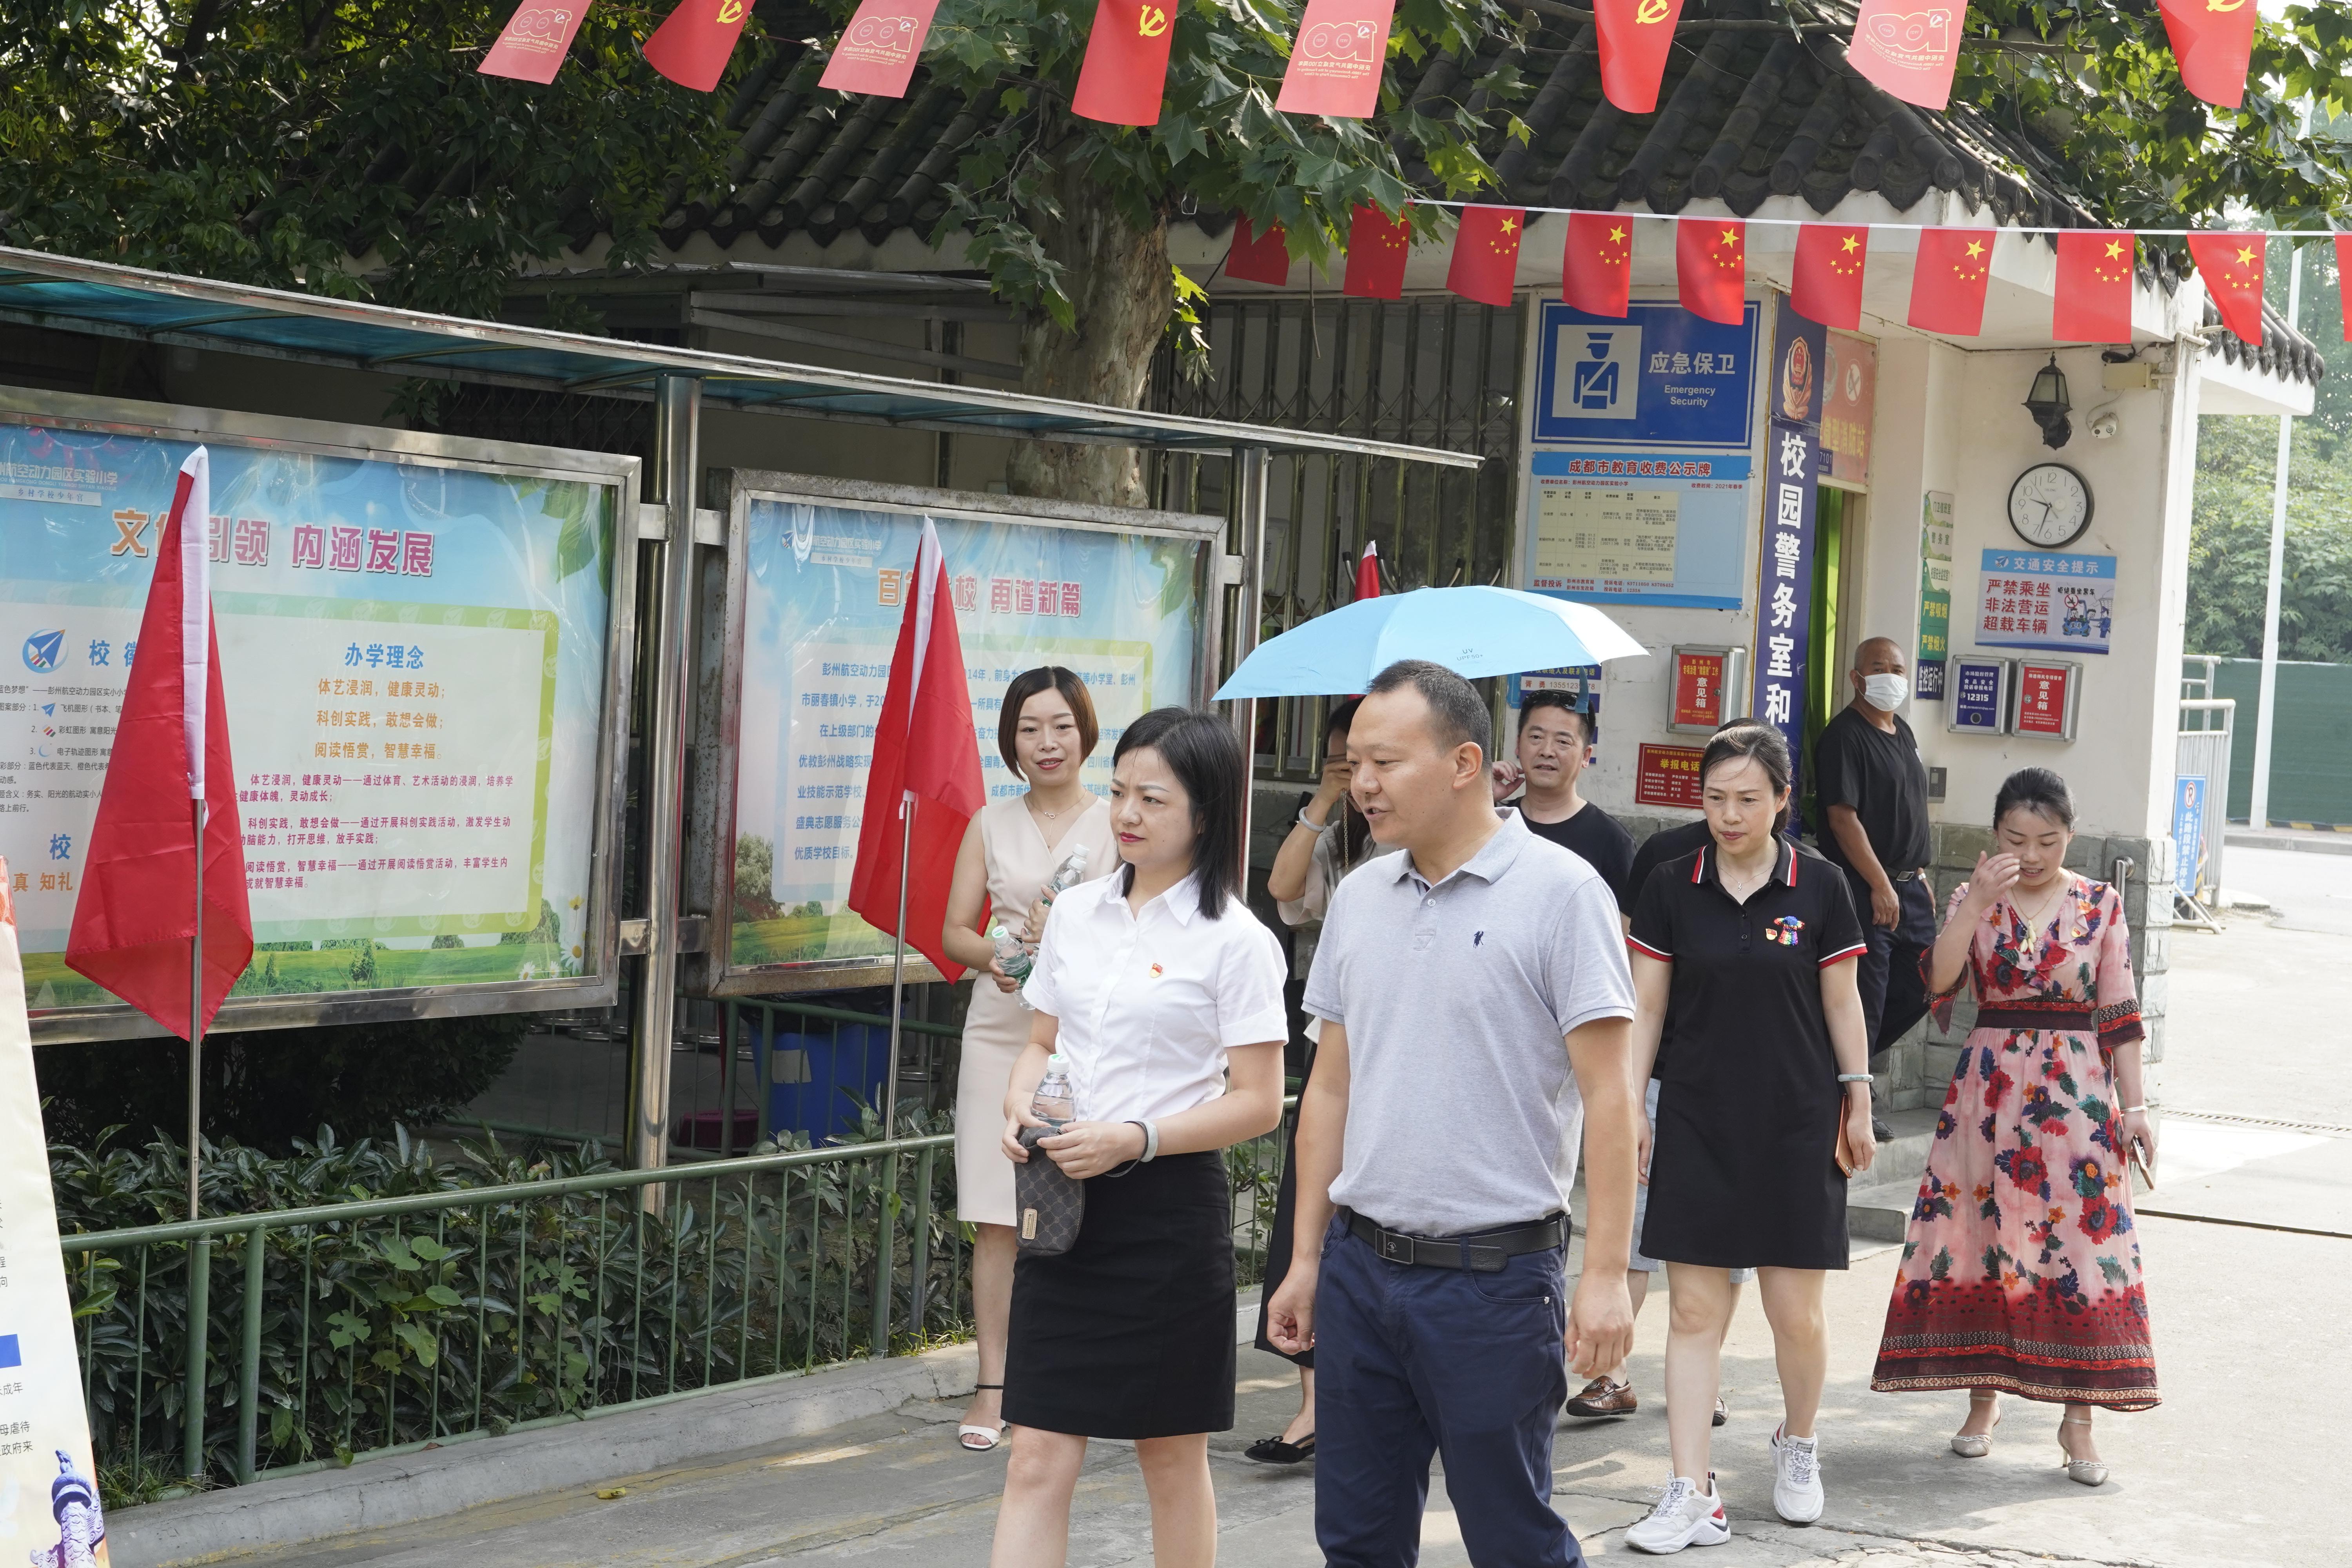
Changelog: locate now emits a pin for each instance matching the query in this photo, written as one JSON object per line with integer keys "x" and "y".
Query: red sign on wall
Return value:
{"x": 2046, "y": 695}
{"x": 1699, "y": 679}
{"x": 1667, "y": 775}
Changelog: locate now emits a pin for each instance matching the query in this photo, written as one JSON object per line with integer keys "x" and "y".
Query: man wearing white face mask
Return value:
{"x": 1872, "y": 787}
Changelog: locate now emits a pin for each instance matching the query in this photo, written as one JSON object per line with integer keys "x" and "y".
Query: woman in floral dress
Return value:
{"x": 2021, "y": 1267}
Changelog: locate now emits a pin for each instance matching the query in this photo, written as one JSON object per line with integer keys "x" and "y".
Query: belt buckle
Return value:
{"x": 1395, "y": 1248}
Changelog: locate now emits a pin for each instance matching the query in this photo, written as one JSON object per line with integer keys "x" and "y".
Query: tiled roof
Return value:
{"x": 1746, "y": 113}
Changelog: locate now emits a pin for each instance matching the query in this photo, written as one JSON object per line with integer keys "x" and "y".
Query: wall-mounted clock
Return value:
{"x": 2050, "y": 506}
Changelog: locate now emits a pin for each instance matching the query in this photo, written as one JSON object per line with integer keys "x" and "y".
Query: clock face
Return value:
{"x": 2050, "y": 505}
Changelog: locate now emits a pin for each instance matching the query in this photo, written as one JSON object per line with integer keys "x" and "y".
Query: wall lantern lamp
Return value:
{"x": 2049, "y": 403}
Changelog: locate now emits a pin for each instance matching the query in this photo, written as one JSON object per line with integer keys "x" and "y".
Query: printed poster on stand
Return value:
{"x": 420, "y": 659}
{"x": 49, "y": 1507}
{"x": 2035, "y": 599}
{"x": 817, "y": 574}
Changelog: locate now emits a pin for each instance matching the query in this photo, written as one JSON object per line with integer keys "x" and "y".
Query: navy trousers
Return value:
{"x": 1412, "y": 1362}
{"x": 1894, "y": 992}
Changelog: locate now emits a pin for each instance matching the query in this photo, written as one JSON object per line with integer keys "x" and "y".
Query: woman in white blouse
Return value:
{"x": 1164, "y": 994}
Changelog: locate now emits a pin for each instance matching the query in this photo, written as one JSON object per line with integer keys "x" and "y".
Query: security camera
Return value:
{"x": 2104, "y": 426}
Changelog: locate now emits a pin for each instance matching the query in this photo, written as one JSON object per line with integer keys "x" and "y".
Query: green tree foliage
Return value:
{"x": 2229, "y": 551}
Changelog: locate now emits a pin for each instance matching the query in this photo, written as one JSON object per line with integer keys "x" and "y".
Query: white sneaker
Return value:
{"x": 1796, "y": 1477}
{"x": 1685, "y": 1516}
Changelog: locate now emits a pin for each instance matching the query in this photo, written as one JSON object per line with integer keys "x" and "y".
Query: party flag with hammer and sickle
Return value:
{"x": 693, "y": 42}
{"x": 1596, "y": 265}
{"x": 1634, "y": 37}
{"x": 2093, "y": 296}
{"x": 1125, "y": 67}
{"x": 2213, "y": 43}
{"x": 1711, "y": 267}
{"x": 2231, "y": 266}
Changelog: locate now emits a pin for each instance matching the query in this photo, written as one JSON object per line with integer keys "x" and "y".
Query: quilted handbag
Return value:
{"x": 1051, "y": 1205}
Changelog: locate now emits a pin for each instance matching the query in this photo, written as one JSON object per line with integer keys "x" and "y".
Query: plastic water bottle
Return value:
{"x": 1069, "y": 873}
{"x": 1055, "y": 1102}
{"x": 1012, "y": 953}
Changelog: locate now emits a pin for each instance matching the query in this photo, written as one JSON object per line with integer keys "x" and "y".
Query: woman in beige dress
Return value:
{"x": 1046, "y": 732}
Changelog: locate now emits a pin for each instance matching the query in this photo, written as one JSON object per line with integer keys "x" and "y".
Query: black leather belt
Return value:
{"x": 1908, "y": 875}
{"x": 1485, "y": 1251}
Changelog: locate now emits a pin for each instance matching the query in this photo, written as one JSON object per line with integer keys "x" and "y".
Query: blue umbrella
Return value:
{"x": 1472, "y": 631}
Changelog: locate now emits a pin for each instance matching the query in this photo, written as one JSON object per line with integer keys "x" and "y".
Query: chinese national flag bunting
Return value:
{"x": 2343, "y": 270}
{"x": 1827, "y": 284}
{"x": 1909, "y": 52}
{"x": 1486, "y": 254}
{"x": 1125, "y": 67}
{"x": 136, "y": 913}
{"x": 1596, "y": 265}
{"x": 532, "y": 44}
{"x": 2213, "y": 44}
{"x": 1377, "y": 248}
{"x": 693, "y": 42}
{"x": 1257, "y": 258}
{"x": 1947, "y": 280}
{"x": 1711, "y": 267}
{"x": 925, "y": 762}
{"x": 2231, "y": 266}
{"x": 878, "y": 49}
{"x": 1368, "y": 572}
{"x": 1335, "y": 65}
{"x": 2095, "y": 288}
{"x": 1634, "y": 37}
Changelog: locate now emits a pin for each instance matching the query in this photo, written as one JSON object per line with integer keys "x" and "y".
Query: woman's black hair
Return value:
{"x": 2037, "y": 790}
{"x": 1354, "y": 831}
{"x": 1030, "y": 683}
{"x": 1200, "y": 751}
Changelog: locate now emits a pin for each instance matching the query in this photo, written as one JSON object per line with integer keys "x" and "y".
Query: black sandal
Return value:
{"x": 1274, "y": 1451}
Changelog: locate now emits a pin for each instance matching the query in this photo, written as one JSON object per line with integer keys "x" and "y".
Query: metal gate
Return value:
{"x": 2200, "y": 795}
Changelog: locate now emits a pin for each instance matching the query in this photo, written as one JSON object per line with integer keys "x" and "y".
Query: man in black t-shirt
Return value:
{"x": 1555, "y": 744}
{"x": 1873, "y": 788}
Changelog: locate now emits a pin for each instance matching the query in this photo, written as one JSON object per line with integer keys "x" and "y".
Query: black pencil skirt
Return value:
{"x": 1130, "y": 1333}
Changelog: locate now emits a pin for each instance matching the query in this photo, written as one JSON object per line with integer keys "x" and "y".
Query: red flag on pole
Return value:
{"x": 1125, "y": 67}
{"x": 2095, "y": 288}
{"x": 2343, "y": 271}
{"x": 1257, "y": 258}
{"x": 2231, "y": 266}
{"x": 879, "y": 48}
{"x": 136, "y": 913}
{"x": 1368, "y": 572}
{"x": 1947, "y": 280}
{"x": 1827, "y": 284}
{"x": 693, "y": 43}
{"x": 925, "y": 762}
{"x": 2213, "y": 44}
{"x": 1486, "y": 254}
{"x": 1711, "y": 268}
{"x": 1634, "y": 37}
{"x": 1596, "y": 265}
{"x": 1377, "y": 248}
{"x": 531, "y": 46}
{"x": 1335, "y": 65}
{"x": 1910, "y": 53}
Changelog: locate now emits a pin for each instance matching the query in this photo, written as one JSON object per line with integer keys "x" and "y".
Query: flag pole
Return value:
{"x": 196, "y": 1014}
{"x": 898, "y": 962}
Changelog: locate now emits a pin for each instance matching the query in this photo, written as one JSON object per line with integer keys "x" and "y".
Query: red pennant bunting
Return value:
{"x": 2231, "y": 266}
{"x": 1125, "y": 67}
{"x": 1486, "y": 254}
{"x": 1257, "y": 258}
{"x": 2095, "y": 288}
{"x": 1711, "y": 267}
{"x": 2343, "y": 271}
{"x": 2213, "y": 44}
{"x": 1947, "y": 280}
{"x": 1377, "y": 248}
{"x": 1596, "y": 268}
{"x": 531, "y": 46}
{"x": 1634, "y": 37}
{"x": 878, "y": 49}
{"x": 1827, "y": 284}
{"x": 1335, "y": 65}
{"x": 692, "y": 45}
{"x": 1910, "y": 53}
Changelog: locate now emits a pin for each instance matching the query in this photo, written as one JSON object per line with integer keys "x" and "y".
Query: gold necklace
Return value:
{"x": 2041, "y": 913}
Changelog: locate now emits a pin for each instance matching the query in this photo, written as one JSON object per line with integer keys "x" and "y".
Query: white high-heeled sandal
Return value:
{"x": 1976, "y": 1445}
{"x": 977, "y": 1439}
{"x": 2089, "y": 1472}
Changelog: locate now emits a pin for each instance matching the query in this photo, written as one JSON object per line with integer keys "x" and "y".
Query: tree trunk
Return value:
{"x": 1118, "y": 275}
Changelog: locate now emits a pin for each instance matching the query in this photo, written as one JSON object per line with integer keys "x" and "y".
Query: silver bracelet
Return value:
{"x": 1151, "y": 1141}
{"x": 1853, "y": 1078}
{"x": 1312, "y": 827}
{"x": 2132, "y": 1110}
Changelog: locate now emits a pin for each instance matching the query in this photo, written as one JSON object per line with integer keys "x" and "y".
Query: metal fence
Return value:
{"x": 221, "y": 1351}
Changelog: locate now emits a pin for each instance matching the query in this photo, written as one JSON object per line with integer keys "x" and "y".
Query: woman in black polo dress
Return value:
{"x": 1751, "y": 947}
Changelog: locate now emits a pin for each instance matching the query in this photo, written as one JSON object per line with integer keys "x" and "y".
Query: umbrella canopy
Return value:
{"x": 1473, "y": 631}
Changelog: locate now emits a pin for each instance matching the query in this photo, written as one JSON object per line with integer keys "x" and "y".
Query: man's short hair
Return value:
{"x": 1456, "y": 712}
{"x": 1567, "y": 702}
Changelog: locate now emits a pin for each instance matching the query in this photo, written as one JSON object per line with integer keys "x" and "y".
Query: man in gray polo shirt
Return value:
{"x": 1461, "y": 985}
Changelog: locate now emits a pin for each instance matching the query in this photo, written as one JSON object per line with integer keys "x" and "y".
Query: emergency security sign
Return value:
{"x": 1657, "y": 377}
